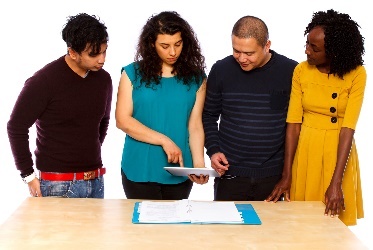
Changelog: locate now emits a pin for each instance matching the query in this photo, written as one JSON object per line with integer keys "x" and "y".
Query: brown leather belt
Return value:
{"x": 89, "y": 175}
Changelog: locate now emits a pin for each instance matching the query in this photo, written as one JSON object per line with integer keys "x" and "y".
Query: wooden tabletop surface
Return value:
{"x": 59, "y": 223}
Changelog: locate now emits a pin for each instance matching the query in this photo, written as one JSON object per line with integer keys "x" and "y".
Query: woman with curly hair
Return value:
{"x": 159, "y": 107}
{"x": 321, "y": 160}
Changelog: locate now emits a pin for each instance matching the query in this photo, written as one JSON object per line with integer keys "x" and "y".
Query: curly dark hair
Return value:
{"x": 344, "y": 45}
{"x": 189, "y": 66}
{"x": 82, "y": 30}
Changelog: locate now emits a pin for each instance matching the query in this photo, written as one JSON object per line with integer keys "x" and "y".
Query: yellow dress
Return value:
{"x": 323, "y": 104}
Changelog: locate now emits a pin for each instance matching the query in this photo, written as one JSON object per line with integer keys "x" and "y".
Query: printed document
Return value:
{"x": 189, "y": 212}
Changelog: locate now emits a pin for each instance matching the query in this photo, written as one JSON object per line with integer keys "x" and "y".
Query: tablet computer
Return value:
{"x": 179, "y": 171}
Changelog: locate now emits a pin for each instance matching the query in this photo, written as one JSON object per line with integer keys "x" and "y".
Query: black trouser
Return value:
{"x": 156, "y": 191}
{"x": 244, "y": 188}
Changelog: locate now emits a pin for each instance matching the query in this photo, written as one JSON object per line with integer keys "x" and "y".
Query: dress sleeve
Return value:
{"x": 355, "y": 99}
{"x": 295, "y": 110}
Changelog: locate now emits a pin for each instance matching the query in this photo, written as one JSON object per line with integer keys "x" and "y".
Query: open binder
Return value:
{"x": 247, "y": 214}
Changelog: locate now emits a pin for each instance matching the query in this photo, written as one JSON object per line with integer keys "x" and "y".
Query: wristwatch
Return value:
{"x": 29, "y": 178}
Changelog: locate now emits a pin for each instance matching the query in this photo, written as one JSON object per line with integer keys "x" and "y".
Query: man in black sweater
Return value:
{"x": 69, "y": 100}
{"x": 249, "y": 92}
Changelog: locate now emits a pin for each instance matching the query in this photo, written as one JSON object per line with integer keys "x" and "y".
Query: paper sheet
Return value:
{"x": 189, "y": 211}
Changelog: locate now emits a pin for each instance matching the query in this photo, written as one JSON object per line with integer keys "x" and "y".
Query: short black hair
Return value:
{"x": 82, "y": 30}
{"x": 344, "y": 45}
{"x": 251, "y": 27}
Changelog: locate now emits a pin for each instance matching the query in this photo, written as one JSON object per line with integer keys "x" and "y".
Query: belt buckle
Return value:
{"x": 90, "y": 175}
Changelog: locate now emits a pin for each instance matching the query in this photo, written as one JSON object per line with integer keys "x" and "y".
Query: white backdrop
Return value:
{"x": 31, "y": 37}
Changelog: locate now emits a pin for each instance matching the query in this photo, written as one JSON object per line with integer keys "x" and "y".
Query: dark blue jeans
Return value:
{"x": 73, "y": 189}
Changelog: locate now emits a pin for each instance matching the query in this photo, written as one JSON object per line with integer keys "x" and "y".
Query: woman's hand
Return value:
{"x": 201, "y": 179}
{"x": 173, "y": 152}
{"x": 334, "y": 200}
{"x": 281, "y": 188}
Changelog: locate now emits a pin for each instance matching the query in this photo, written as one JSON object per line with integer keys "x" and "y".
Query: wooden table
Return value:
{"x": 59, "y": 223}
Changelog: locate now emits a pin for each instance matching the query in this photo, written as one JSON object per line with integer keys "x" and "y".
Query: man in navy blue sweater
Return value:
{"x": 249, "y": 92}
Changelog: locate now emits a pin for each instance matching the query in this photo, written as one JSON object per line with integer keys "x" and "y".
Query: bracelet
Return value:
{"x": 29, "y": 178}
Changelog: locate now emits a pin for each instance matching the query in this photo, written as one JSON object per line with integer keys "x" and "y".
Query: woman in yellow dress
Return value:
{"x": 321, "y": 161}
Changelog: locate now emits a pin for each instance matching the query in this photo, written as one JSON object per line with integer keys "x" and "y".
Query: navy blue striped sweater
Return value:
{"x": 244, "y": 115}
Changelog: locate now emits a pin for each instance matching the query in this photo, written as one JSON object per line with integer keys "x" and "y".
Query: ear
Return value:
{"x": 72, "y": 53}
{"x": 268, "y": 45}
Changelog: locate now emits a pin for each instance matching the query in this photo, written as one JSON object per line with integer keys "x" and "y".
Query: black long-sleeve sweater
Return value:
{"x": 252, "y": 108}
{"x": 71, "y": 114}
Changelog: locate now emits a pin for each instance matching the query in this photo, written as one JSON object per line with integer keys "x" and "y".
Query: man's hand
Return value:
{"x": 219, "y": 162}
{"x": 34, "y": 188}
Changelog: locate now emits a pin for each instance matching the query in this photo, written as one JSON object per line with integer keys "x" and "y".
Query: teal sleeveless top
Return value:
{"x": 165, "y": 108}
